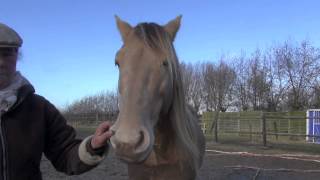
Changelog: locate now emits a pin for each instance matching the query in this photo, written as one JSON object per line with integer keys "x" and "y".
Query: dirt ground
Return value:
{"x": 221, "y": 162}
{"x": 217, "y": 165}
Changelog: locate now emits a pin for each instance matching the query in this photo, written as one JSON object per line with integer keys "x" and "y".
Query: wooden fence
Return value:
{"x": 89, "y": 119}
{"x": 256, "y": 125}
{"x": 252, "y": 126}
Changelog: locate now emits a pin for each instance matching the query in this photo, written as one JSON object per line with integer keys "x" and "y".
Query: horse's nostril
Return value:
{"x": 140, "y": 140}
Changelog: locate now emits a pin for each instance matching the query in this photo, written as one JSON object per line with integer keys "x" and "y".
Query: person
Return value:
{"x": 30, "y": 125}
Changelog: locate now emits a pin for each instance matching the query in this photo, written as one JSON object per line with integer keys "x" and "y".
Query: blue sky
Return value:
{"x": 69, "y": 46}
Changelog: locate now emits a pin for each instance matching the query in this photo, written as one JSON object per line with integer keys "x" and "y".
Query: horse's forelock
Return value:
{"x": 154, "y": 36}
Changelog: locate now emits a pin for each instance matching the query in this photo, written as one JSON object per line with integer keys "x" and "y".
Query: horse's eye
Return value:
{"x": 165, "y": 63}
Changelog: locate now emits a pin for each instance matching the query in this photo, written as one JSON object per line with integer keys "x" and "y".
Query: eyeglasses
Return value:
{"x": 7, "y": 52}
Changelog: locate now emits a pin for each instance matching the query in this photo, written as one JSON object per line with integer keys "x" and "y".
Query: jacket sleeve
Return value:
{"x": 67, "y": 154}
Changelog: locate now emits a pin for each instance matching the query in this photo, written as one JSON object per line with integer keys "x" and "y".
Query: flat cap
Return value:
{"x": 9, "y": 37}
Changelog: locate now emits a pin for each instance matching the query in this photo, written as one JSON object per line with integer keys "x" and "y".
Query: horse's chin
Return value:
{"x": 155, "y": 160}
{"x": 151, "y": 160}
{"x": 137, "y": 158}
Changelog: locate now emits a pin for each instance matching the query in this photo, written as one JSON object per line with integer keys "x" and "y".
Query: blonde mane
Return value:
{"x": 182, "y": 120}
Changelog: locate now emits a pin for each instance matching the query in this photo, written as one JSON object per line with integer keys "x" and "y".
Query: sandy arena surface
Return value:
{"x": 217, "y": 165}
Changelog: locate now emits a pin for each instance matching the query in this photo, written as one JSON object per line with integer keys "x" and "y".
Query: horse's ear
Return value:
{"x": 172, "y": 27}
{"x": 123, "y": 27}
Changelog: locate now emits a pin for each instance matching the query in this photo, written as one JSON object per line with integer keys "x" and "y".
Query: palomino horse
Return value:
{"x": 156, "y": 133}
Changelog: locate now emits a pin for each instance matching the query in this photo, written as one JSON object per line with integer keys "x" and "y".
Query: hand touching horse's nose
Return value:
{"x": 102, "y": 135}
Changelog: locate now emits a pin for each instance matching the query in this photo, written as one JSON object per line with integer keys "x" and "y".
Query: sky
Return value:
{"x": 69, "y": 46}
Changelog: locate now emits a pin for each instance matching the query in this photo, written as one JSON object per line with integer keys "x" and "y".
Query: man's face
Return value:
{"x": 8, "y": 61}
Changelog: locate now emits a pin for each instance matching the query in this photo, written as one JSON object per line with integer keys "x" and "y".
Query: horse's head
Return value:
{"x": 145, "y": 86}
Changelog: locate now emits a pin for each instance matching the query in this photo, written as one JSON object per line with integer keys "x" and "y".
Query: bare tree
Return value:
{"x": 103, "y": 102}
{"x": 315, "y": 97}
{"x": 301, "y": 66}
{"x": 193, "y": 82}
{"x": 277, "y": 83}
{"x": 258, "y": 85}
{"x": 187, "y": 72}
{"x": 209, "y": 86}
{"x": 225, "y": 78}
{"x": 198, "y": 86}
{"x": 241, "y": 92}
{"x": 219, "y": 83}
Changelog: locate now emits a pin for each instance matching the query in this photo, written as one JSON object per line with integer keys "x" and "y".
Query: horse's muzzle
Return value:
{"x": 132, "y": 145}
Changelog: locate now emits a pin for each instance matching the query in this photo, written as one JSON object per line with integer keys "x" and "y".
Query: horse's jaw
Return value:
{"x": 135, "y": 159}
{"x": 155, "y": 159}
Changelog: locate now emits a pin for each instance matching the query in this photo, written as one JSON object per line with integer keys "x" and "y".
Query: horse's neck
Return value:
{"x": 164, "y": 150}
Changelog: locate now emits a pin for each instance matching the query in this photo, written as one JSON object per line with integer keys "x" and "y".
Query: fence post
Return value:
{"x": 275, "y": 129}
{"x": 250, "y": 130}
{"x": 216, "y": 126}
{"x": 239, "y": 127}
{"x": 264, "y": 129}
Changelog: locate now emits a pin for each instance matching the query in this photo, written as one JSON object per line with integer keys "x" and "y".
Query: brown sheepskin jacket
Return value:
{"x": 33, "y": 126}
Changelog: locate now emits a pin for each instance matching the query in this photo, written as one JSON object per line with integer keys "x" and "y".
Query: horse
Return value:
{"x": 156, "y": 133}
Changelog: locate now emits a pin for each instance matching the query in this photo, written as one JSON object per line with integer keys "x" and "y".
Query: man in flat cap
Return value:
{"x": 30, "y": 125}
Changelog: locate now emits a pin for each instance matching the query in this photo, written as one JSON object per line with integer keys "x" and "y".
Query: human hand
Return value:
{"x": 102, "y": 135}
